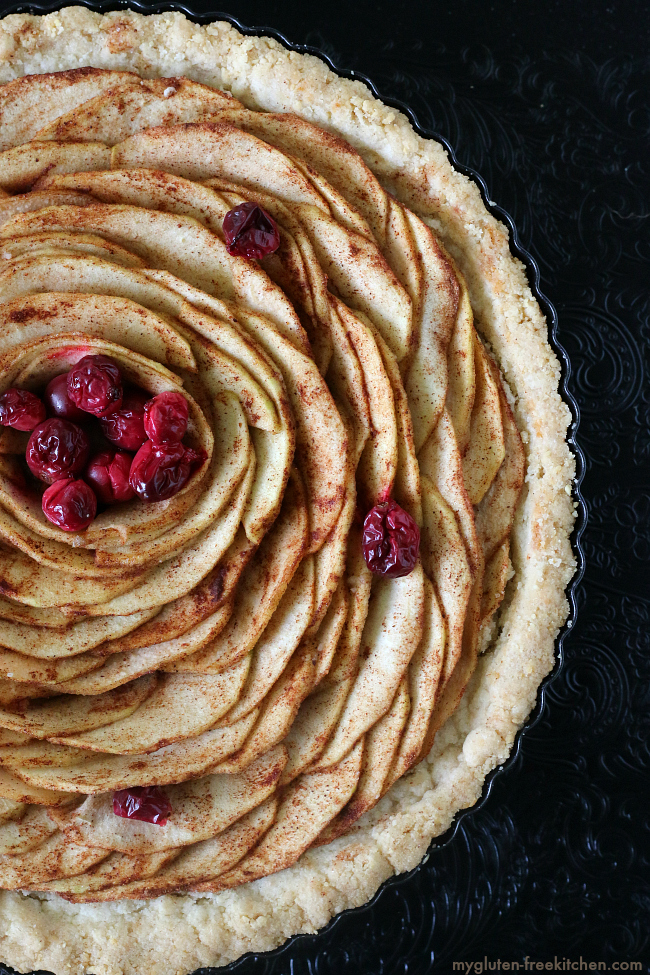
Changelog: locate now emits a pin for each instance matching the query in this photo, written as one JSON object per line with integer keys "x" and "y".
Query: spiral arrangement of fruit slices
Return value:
{"x": 226, "y": 656}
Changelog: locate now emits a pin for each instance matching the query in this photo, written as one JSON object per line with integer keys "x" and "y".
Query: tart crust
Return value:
{"x": 178, "y": 933}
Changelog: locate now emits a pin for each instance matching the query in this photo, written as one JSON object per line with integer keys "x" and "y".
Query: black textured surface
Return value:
{"x": 549, "y": 103}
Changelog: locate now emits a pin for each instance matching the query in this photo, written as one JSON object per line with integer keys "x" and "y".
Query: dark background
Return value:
{"x": 549, "y": 102}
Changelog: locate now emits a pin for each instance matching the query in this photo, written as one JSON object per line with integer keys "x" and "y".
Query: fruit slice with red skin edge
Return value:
{"x": 391, "y": 540}
{"x": 250, "y": 231}
{"x": 69, "y": 504}
{"x": 147, "y": 803}
{"x": 57, "y": 448}
{"x": 95, "y": 385}
{"x": 108, "y": 475}
{"x": 21, "y": 409}
{"x": 165, "y": 418}
{"x": 59, "y": 403}
{"x": 125, "y": 427}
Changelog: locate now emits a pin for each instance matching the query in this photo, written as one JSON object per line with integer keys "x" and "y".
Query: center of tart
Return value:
{"x": 103, "y": 442}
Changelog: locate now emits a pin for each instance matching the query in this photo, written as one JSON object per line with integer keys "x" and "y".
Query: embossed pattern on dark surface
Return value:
{"x": 555, "y": 863}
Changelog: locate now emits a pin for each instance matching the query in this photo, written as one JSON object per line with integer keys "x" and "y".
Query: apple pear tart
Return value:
{"x": 232, "y": 707}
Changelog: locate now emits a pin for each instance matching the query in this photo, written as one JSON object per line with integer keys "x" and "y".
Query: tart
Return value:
{"x": 301, "y": 720}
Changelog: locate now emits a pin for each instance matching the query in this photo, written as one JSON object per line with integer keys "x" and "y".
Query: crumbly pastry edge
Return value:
{"x": 175, "y": 934}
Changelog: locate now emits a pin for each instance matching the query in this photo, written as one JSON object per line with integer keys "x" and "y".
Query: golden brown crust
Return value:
{"x": 180, "y": 933}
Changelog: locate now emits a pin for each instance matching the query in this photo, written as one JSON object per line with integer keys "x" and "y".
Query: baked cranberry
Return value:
{"x": 57, "y": 448}
{"x": 195, "y": 458}
{"x": 165, "y": 418}
{"x": 58, "y": 402}
{"x": 108, "y": 475}
{"x": 391, "y": 540}
{"x": 159, "y": 472}
{"x": 125, "y": 427}
{"x": 250, "y": 231}
{"x": 147, "y": 803}
{"x": 95, "y": 385}
{"x": 21, "y": 409}
{"x": 69, "y": 504}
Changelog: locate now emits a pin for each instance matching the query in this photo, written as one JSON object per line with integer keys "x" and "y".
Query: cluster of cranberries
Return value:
{"x": 145, "y": 456}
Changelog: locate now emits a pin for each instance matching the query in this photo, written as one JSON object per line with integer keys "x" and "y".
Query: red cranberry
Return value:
{"x": 57, "y": 448}
{"x": 147, "y": 803}
{"x": 58, "y": 402}
{"x": 126, "y": 427}
{"x": 391, "y": 540}
{"x": 159, "y": 472}
{"x": 21, "y": 410}
{"x": 165, "y": 418}
{"x": 250, "y": 231}
{"x": 195, "y": 458}
{"x": 108, "y": 475}
{"x": 69, "y": 504}
{"x": 95, "y": 385}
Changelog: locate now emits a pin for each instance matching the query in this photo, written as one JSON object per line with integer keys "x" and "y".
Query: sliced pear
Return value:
{"x": 30, "y": 102}
{"x": 19, "y": 837}
{"x": 203, "y": 150}
{"x": 22, "y": 166}
{"x": 380, "y": 746}
{"x": 74, "y": 772}
{"x": 118, "y": 113}
{"x": 425, "y": 672}
{"x": 207, "y": 859}
{"x": 110, "y": 318}
{"x": 306, "y": 808}
{"x": 495, "y": 513}
{"x": 392, "y": 632}
{"x": 60, "y": 244}
{"x": 37, "y": 200}
{"x": 74, "y": 714}
{"x": 181, "y": 706}
{"x": 461, "y": 387}
{"x": 486, "y": 449}
{"x": 445, "y": 561}
{"x": 497, "y": 571}
{"x": 117, "y": 869}
{"x": 202, "y": 808}
{"x": 279, "y": 640}
{"x": 54, "y": 857}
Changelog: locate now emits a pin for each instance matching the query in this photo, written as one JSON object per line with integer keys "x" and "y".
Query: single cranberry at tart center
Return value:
{"x": 57, "y": 448}
{"x": 21, "y": 409}
{"x": 69, "y": 504}
{"x": 124, "y": 427}
{"x": 95, "y": 385}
